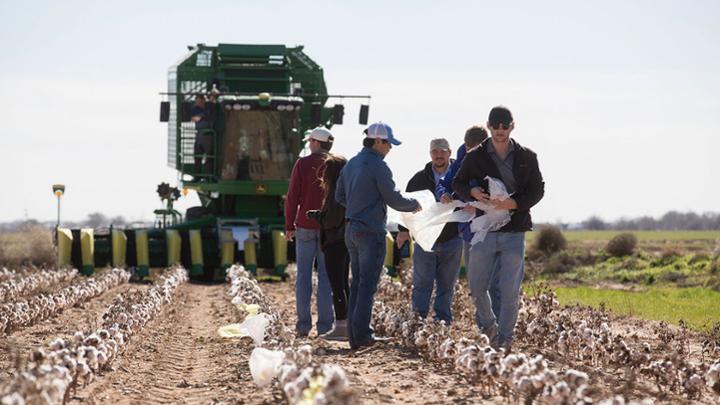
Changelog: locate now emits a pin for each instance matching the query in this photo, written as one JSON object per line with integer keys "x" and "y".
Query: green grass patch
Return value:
{"x": 641, "y": 268}
{"x": 641, "y": 235}
{"x": 698, "y": 307}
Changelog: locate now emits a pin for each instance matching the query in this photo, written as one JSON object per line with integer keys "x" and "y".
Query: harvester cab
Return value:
{"x": 236, "y": 116}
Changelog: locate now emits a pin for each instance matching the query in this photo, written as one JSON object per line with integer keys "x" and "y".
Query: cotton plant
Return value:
{"x": 51, "y": 373}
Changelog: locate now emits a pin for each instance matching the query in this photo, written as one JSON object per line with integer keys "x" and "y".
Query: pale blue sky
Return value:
{"x": 620, "y": 99}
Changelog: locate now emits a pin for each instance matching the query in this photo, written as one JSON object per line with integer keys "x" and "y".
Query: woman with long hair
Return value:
{"x": 331, "y": 218}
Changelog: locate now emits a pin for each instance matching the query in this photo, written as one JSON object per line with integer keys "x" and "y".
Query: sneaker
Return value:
{"x": 370, "y": 343}
{"x": 338, "y": 332}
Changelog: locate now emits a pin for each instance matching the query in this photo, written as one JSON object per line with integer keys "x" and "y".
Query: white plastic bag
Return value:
{"x": 265, "y": 365}
{"x": 253, "y": 327}
{"x": 493, "y": 219}
{"x": 426, "y": 225}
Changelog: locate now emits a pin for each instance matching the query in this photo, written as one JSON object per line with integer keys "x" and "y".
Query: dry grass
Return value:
{"x": 31, "y": 245}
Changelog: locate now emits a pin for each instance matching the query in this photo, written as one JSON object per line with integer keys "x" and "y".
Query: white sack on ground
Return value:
{"x": 265, "y": 365}
{"x": 253, "y": 326}
{"x": 426, "y": 225}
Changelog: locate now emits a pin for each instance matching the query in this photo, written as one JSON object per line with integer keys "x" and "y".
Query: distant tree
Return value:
{"x": 118, "y": 220}
{"x": 96, "y": 220}
{"x": 594, "y": 223}
{"x": 646, "y": 223}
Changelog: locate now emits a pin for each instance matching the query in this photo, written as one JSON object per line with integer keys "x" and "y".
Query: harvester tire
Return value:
{"x": 196, "y": 212}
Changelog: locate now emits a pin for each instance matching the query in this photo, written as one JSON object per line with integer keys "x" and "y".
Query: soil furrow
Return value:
{"x": 179, "y": 358}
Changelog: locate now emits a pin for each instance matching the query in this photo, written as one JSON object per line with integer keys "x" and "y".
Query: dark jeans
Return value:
{"x": 204, "y": 145}
{"x": 367, "y": 255}
{"x": 337, "y": 263}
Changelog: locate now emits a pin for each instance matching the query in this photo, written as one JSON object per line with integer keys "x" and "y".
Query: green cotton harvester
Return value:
{"x": 238, "y": 157}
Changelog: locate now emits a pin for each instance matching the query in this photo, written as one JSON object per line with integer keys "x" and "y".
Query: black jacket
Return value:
{"x": 425, "y": 180}
{"x": 530, "y": 184}
{"x": 331, "y": 217}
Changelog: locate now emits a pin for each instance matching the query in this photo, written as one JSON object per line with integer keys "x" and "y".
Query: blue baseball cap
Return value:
{"x": 380, "y": 130}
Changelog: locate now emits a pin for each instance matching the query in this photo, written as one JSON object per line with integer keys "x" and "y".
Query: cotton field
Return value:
{"x": 69, "y": 338}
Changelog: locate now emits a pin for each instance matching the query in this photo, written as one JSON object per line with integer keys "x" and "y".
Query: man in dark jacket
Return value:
{"x": 439, "y": 267}
{"x": 503, "y": 158}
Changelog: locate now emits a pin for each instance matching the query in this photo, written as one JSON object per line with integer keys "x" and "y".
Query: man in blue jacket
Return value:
{"x": 365, "y": 188}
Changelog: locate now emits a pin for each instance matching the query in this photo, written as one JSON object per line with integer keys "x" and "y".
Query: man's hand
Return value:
{"x": 507, "y": 204}
{"x": 446, "y": 198}
{"x": 401, "y": 238}
{"x": 480, "y": 195}
{"x": 290, "y": 235}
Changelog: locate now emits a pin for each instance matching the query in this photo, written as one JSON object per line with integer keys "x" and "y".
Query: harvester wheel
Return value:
{"x": 196, "y": 212}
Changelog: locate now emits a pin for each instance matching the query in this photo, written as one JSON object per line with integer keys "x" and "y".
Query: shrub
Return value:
{"x": 699, "y": 257}
{"x": 550, "y": 240}
{"x": 714, "y": 267}
{"x": 669, "y": 253}
{"x": 561, "y": 262}
{"x": 622, "y": 244}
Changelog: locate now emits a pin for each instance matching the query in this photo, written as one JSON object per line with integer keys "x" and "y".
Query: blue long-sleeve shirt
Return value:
{"x": 445, "y": 183}
{"x": 445, "y": 186}
{"x": 365, "y": 187}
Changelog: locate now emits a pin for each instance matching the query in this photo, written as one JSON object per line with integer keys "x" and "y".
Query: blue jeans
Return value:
{"x": 494, "y": 288}
{"x": 500, "y": 259}
{"x": 307, "y": 248}
{"x": 440, "y": 269}
{"x": 367, "y": 255}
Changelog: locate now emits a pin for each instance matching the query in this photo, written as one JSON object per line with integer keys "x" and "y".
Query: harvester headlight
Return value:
{"x": 228, "y": 107}
{"x": 246, "y": 107}
{"x": 289, "y": 107}
{"x": 237, "y": 107}
{"x": 281, "y": 107}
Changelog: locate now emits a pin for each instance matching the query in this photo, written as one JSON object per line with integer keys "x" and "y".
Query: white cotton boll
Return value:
{"x": 524, "y": 384}
{"x": 57, "y": 344}
{"x": 304, "y": 354}
{"x": 12, "y": 399}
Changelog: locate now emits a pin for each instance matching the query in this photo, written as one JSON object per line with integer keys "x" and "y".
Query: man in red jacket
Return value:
{"x": 303, "y": 195}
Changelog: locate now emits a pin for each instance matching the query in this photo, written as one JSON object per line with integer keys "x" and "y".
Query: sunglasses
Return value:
{"x": 498, "y": 126}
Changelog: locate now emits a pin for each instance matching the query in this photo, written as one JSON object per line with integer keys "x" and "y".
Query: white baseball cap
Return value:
{"x": 381, "y": 130}
{"x": 319, "y": 134}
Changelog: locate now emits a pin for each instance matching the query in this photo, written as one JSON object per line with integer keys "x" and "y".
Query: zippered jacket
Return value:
{"x": 530, "y": 185}
{"x": 425, "y": 180}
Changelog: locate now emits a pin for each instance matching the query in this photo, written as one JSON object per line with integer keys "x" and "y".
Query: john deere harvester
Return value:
{"x": 236, "y": 151}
